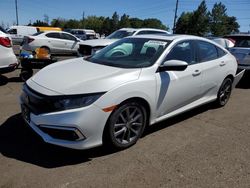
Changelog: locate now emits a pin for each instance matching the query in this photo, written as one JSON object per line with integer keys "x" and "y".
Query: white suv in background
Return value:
{"x": 89, "y": 47}
{"x": 56, "y": 42}
{"x": 8, "y": 60}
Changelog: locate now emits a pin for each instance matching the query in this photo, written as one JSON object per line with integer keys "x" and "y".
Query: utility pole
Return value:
{"x": 16, "y": 13}
{"x": 83, "y": 21}
{"x": 175, "y": 16}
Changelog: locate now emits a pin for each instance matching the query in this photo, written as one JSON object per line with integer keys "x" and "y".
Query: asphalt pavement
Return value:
{"x": 205, "y": 147}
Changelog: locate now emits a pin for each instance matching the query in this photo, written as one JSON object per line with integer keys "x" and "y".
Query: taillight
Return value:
{"x": 232, "y": 40}
{"x": 30, "y": 40}
{"x": 5, "y": 41}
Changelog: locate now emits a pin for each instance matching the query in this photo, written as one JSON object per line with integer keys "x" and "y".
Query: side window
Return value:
{"x": 53, "y": 35}
{"x": 67, "y": 37}
{"x": 12, "y": 31}
{"x": 220, "y": 52}
{"x": 142, "y": 33}
{"x": 183, "y": 51}
{"x": 150, "y": 32}
{"x": 207, "y": 51}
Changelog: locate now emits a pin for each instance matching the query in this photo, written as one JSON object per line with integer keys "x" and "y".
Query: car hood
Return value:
{"x": 98, "y": 42}
{"x": 77, "y": 76}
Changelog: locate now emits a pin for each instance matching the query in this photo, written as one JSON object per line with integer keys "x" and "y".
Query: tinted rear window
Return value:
{"x": 38, "y": 33}
{"x": 241, "y": 41}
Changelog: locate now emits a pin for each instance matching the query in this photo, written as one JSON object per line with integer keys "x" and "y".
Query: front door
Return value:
{"x": 177, "y": 89}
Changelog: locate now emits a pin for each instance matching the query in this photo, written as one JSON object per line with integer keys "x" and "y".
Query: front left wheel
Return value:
{"x": 126, "y": 125}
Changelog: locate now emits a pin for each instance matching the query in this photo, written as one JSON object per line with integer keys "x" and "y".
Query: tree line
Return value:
{"x": 202, "y": 22}
{"x": 101, "y": 24}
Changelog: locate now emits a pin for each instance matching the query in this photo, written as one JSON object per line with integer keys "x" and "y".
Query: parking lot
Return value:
{"x": 206, "y": 147}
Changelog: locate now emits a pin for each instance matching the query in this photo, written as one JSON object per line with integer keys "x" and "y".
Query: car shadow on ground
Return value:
{"x": 244, "y": 83}
{"x": 5, "y": 80}
{"x": 18, "y": 141}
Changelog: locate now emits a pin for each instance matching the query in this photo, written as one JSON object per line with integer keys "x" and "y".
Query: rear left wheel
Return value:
{"x": 224, "y": 92}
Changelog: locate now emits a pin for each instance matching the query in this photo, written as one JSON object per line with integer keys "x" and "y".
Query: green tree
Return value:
{"x": 220, "y": 23}
{"x": 124, "y": 22}
{"x": 40, "y": 23}
{"x": 72, "y": 24}
{"x": 94, "y": 22}
{"x": 115, "y": 21}
{"x": 136, "y": 22}
{"x": 183, "y": 23}
{"x": 199, "y": 21}
{"x": 59, "y": 22}
{"x": 154, "y": 23}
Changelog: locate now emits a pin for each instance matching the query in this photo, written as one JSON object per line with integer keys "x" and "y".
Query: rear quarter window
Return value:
{"x": 53, "y": 35}
{"x": 206, "y": 51}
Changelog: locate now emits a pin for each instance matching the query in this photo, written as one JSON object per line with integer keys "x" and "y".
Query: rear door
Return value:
{"x": 55, "y": 42}
{"x": 71, "y": 44}
{"x": 178, "y": 89}
{"x": 214, "y": 66}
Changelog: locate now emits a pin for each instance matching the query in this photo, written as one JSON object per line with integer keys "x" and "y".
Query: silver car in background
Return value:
{"x": 241, "y": 49}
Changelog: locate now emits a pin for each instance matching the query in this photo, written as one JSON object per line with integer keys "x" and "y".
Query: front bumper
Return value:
{"x": 89, "y": 121}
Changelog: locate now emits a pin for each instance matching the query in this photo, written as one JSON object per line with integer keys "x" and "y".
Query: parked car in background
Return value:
{"x": 113, "y": 95}
{"x": 224, "y": 42}
{"x": 17, "y": 33}
{"x": 241, "y": 49}
{"x": 83, "y": 34}
{"x": 8, "y": 60}
{"x": 56, "y": 42}
{"x": 91, "y": 46}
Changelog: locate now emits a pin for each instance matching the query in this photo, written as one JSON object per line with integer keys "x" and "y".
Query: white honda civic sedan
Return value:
{"x": 135, "y": 82}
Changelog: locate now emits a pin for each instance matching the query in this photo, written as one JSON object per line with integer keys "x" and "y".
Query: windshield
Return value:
{"x": 3, "y": 30}
{"x": 130, "y": 53}
{"x": 120, "y": 34}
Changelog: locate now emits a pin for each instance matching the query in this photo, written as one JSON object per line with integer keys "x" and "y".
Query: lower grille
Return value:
{"x": 62, "y": 133}
{"x": 85, "y": 50}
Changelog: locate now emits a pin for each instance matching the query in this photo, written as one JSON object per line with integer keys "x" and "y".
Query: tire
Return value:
{"x": 125, "y": 125}
{"x": 26, "y": 74}
{"x": 224, "y": 92}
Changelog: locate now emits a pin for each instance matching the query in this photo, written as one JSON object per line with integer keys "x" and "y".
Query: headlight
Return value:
{"x": 76, "y": 101}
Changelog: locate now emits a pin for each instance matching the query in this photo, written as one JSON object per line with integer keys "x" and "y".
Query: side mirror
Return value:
{"x": 173, "y": 65}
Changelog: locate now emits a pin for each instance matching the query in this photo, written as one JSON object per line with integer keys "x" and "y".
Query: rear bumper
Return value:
{"x": 238, "y": 76}
{"x": 10, "y": 68}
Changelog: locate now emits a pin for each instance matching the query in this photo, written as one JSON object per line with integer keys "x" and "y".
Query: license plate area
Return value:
{"x": 25, "y": 113}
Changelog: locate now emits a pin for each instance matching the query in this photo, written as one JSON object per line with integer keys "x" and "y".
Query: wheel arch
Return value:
{"x": 140, "y": 100}
{"x": 230, "y": 76}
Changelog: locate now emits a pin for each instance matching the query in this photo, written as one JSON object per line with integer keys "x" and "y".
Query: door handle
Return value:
{"x": 196, "y": 73}
{"x": 222, "y": 63}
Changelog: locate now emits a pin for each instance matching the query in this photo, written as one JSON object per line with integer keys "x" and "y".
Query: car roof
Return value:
{"x": 142, "y": 29}
{"x": 238, "y": 35}
{"x": 170, "y": 37}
